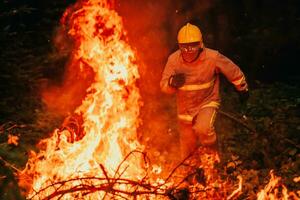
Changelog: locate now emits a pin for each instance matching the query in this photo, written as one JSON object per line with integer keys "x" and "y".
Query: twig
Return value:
{"x": 291, "y": 142}
{"x": 127, "y": 156}
{"x": 105, "y": 185}
{"x": 107, "y": 178}
{"x": 2, "y": 127}
{"x": 180, "y": 164}
{"x": 184, "y": 179}
{"x": 10, "y": 165}
{"x": 101, "y": 187}
{"x": 146, "y": 159}
{"x": 237, "y": 120}
{"x": 238, "y": 190}
{"x": 92, "y": 189}
{"x": 253, "y": 130}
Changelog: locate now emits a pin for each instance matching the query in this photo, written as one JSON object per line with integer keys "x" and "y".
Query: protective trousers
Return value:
{"x": 198, "y": 132}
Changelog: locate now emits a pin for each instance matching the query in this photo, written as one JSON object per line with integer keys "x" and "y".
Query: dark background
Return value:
{"x": 261, "y": 36}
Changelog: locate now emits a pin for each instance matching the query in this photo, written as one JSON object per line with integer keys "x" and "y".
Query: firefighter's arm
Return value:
{"x": 167, "y": 73}
{"x": 232, "y": 72}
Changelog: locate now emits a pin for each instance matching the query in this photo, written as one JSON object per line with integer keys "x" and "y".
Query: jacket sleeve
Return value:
{"x": 168, "y": 71}
{"x": 232, "y": 72}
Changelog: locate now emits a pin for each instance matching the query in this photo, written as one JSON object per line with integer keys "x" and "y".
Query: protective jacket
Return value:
{"x": 201, "y": 88}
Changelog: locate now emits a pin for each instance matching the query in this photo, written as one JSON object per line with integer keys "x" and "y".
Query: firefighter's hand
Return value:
{"x": 177, "y": 80}
{"x": 244, "y": 96}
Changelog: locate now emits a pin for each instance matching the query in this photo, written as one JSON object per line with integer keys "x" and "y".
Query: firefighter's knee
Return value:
{"x": 206, "y": 133}
{"x": 203, "y": 128}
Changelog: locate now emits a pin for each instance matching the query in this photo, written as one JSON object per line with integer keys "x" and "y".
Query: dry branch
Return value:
{"x": 252, "y": 130}
{"x": 10, "y": 165}
{"x": 109, "y": 184}
{"x": 230, "y": 116}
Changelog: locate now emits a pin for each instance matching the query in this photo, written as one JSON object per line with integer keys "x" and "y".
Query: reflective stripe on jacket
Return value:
{"x": 202, "y": 79}
{"x": 195, "y": 87}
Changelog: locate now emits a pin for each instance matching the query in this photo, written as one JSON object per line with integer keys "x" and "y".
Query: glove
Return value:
{"x": 244, "y": 96}
{"x": 177, "y": 80}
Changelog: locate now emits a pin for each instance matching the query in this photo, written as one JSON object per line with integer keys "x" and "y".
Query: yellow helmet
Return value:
{"x": 189, "y": 33}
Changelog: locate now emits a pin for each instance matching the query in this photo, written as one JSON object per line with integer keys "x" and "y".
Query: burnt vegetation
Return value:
{"x": 260, "y": 36}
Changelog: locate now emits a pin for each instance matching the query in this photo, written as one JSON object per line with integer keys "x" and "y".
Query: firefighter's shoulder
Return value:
{"x": 175, "y": 56}
{"x": 211, "y": 53}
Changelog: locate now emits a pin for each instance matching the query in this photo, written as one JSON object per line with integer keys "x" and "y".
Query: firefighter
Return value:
{"x": 192, "y": 72}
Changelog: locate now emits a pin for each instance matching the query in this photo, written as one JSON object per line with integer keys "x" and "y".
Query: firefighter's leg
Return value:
{"x": 204, "y": 126}
{"x": 188, "y": 139}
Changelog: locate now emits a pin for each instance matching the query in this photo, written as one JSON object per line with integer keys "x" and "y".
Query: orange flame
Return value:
{"x": 101, "y": 144}
{"x": 109, "y": 111}
{"x": 271, "y": 190}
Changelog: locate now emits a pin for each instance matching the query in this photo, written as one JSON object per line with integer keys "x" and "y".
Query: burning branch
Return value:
{"x": 113, "y": 185}
{"x": 105, "y": 186}
{"x": 181, "y": 163}
{"x": 238, "y": 191}
{"x": 93, "y": 155}
{"x": 275, "y": 190}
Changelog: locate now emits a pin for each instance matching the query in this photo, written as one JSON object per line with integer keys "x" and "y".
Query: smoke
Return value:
{"x": 152, "y": 27}
{"x": 149, "y": 34}
{"x": 62, "y": 97}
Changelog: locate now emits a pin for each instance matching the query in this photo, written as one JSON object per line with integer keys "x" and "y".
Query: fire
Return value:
{"x": 275, "y": 190}
{"x": 96, "y": 154}
{"x": 109, "y": 111}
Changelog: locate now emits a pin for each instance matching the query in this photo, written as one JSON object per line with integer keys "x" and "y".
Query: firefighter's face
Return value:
{"x": 190, "y": 51}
